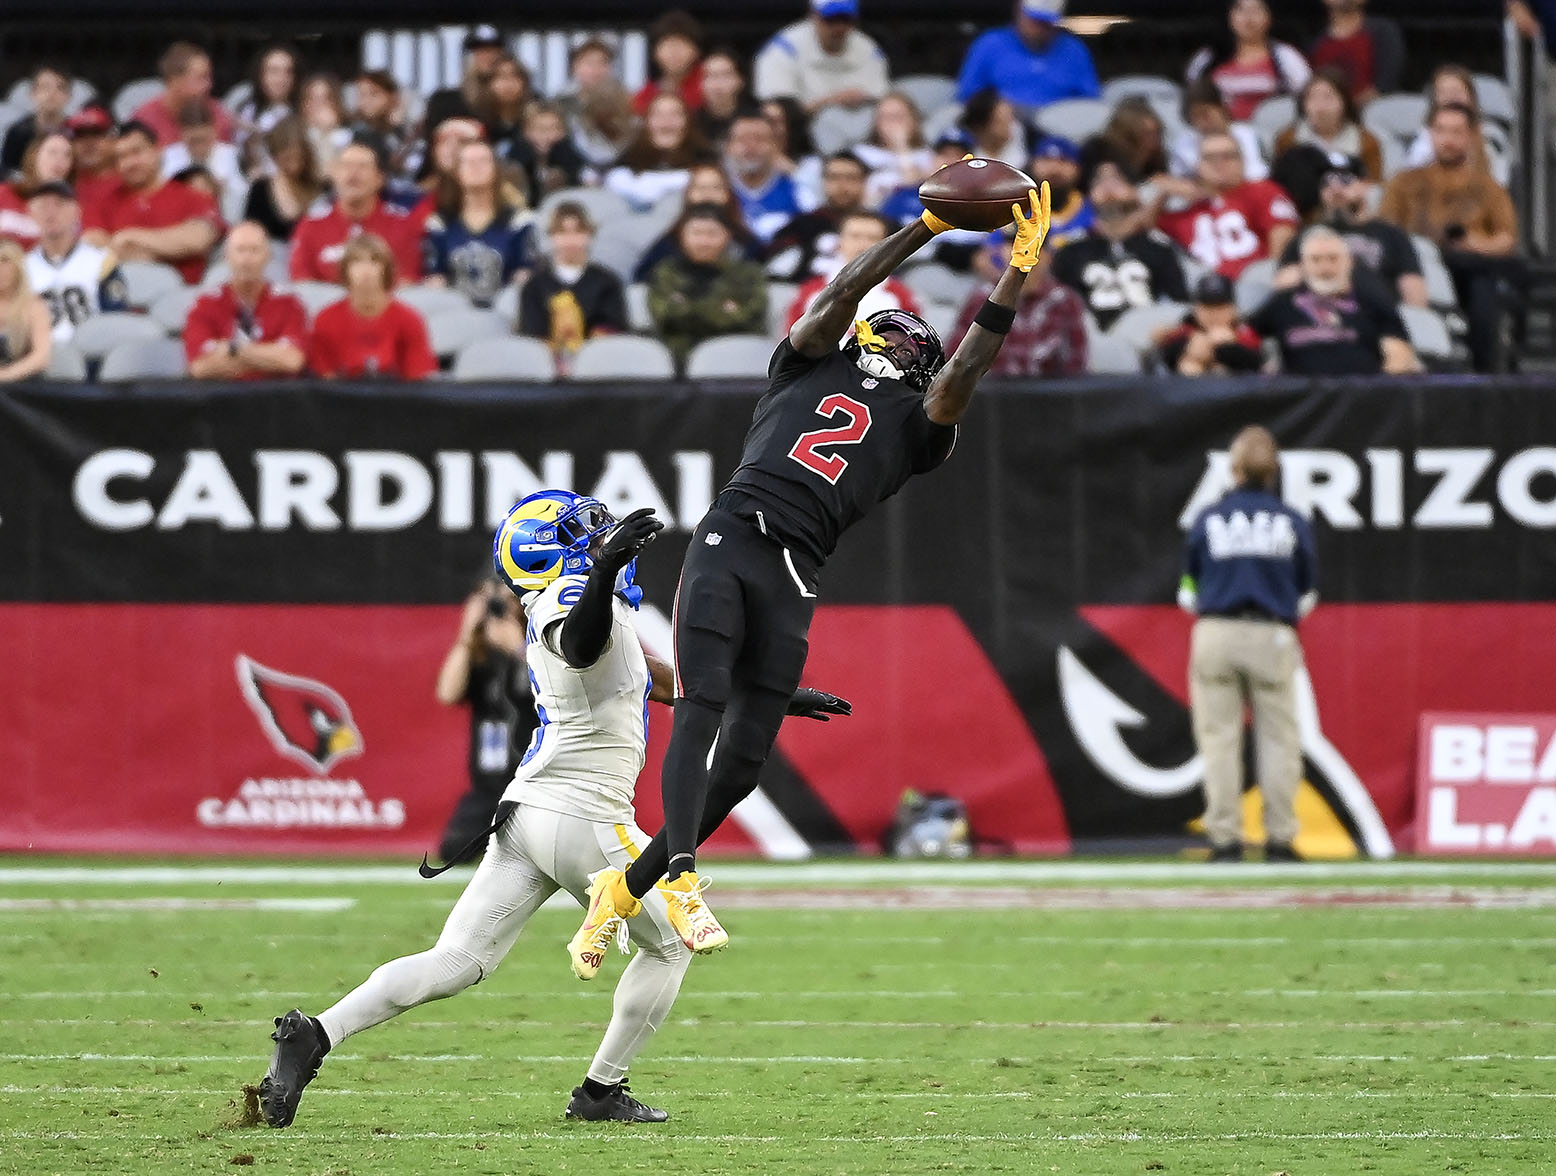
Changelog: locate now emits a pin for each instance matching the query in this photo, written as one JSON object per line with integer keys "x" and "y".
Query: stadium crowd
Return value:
{"x": 1276, "y": 207}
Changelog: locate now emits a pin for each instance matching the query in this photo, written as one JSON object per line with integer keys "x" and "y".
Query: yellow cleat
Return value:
{"x": 690, "y": 916}
{"x": 610, "y": 905}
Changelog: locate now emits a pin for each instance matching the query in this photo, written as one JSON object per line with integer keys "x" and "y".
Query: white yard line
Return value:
{"x": 635, "y": 1139}
{"x": 814, "y": 873}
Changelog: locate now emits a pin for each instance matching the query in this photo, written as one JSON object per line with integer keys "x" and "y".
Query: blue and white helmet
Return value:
{"x": 548, "y": 535}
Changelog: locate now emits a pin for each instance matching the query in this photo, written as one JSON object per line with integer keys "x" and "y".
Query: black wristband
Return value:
{"x": 996, "y": 318}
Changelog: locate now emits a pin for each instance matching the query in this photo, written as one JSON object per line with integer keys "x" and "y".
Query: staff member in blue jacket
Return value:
{"x": 1249, "y": 573}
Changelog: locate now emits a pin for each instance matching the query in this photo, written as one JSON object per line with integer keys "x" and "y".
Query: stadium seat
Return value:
{"x": 146, "y": 281}
{"x": 941, "y": 121}
{"x": 430, "y": 300}
{"x": 1137, "y": 324}
{"x": 1146, "y": 86}
{"x": 450, "y": 331}
{"x": 1496, "y": 100}
{"x": 171, "y": 311}
{"x": 1397, "y": 116}
{"x": 938, "y": 283}
{"x": 505, "y": 358}
{"x": 132, "y": 96}
{"x": 144, "y": 359}
{"x": 315, "y": 296}
{"x": 780, "y": 296}
{"x": 1075, "y": 118}
{"x": 507, "y": 304}
{"x": 665, "y": 212}
{"x": 1428, "y": 333}
{"x": 1255, "y": 284}
{"x": 1440, "y": 290}
{"x": 730, "y": 357}
{"x": 99, "y": 334}
{"x": 1394, "y": 155}
{"x": 602, "y": 205}
{"x": 1108, "y": 356}
{"x": 623, "y": 357}
{"x": 65, "y": 363}
{"x": 639, "y": 317}
{"x": 929, "y": 92}
{"x": 943, "y": 316}
{"x": 1274, "y": 115}
{"x": 10, "y": 114}
{"x": 837, "y": 128}
{"x": 19, "y": 95}
{"x": 618, "y": 244}
{"x": 241, "y": 93}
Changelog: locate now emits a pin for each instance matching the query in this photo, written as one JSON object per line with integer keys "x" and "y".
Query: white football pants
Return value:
{"x": 534, "y": 854}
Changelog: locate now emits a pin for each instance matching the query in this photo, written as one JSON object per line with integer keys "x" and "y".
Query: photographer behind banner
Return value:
{"x": 1249, "y": 573}
{"x": 485, "y": 670}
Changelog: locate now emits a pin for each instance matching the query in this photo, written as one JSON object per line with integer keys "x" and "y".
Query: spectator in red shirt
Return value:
{"x": 96, "y": 175}
{"x": 1368, "y": 51}
{"x": 1228, "y": 223}
{"x": 319, "y": 243}
{"x": 147, "y": 218}
{"x": 1246, "y": 65}
{"x": 1048, "y": 337}
{"x": 856, "y": 232}
{"x": 675, "y": 44}
{"x": 246, "y": 330}
{"x": 186, "y": 78}
{"x": 367, "y": 333}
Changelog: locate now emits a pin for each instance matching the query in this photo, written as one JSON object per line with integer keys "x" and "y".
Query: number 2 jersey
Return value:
{"x": 585, "y": 756}
{"x": 827, "y": 443}
{"x": 86, "y": 281}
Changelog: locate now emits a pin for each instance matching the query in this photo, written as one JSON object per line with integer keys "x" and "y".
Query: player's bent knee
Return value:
{"x": 747, "y": 741}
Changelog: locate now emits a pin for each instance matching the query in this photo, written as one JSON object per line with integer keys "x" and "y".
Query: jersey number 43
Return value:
{"x": 856, "y": 424}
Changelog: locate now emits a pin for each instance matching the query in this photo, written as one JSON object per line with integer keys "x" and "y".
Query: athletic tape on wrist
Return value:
{"x": 996, "y": 318}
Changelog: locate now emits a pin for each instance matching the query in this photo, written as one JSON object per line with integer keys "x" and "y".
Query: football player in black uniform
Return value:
{"x": 838, "y": 431}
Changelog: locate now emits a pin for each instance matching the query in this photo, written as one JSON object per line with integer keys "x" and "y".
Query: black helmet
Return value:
{"x": 929, "y": 352}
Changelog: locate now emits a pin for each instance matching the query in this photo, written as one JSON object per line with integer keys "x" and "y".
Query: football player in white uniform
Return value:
{"x": 74, "y": 278}
{"x": 566, "y": 816}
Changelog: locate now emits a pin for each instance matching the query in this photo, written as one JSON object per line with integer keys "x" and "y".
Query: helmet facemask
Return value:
{"x": 897, "y": 345}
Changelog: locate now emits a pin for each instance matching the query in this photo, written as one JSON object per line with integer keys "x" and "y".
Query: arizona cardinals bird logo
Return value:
{"x": 306, "y": 720}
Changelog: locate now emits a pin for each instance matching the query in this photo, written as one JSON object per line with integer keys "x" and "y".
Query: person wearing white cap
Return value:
{"x": 824, "y": 61}
{"x": 1030, "y": 62}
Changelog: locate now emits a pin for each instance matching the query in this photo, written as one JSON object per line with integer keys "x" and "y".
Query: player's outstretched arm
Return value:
{"x": 662, "y": 674}
{"x": 588, "y": 626}
{"x": 832, "y": 314}
{"x": 951, "y": 390}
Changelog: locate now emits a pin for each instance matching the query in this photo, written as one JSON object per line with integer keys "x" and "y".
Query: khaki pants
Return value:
{"x": 1233, "y": 662}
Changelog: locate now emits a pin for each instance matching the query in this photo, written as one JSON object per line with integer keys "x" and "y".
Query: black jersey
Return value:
{"x": 827, "y": 443}
{"x": 1115, "y": 276}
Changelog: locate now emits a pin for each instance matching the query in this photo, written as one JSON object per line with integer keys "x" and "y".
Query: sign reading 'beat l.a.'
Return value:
{"x": 1487, "y": 784}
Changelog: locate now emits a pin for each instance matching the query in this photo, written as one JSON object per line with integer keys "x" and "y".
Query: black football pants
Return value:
{"x": 742, "y": 614}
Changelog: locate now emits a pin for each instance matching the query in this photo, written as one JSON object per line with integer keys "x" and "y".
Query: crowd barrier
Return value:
{"x": 222, "y": 609}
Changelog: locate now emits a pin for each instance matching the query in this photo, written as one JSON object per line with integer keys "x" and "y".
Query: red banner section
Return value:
{"x": 1487, "y": 784}
{"x": 312, "y": 728}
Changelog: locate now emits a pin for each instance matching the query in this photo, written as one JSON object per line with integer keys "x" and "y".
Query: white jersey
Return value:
{"x": 587, "y": 752}
{"x": 86, "y": 281}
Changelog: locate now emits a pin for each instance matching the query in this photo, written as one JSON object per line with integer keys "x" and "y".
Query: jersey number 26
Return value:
{"x": 857, "y": 423}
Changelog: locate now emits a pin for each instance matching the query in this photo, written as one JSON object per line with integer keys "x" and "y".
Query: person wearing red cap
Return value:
{"x": 320, "y": 241}
{"x": 96, "y": 175}
{"x": 147, "y": 218}
{"x": 246, "y": 330}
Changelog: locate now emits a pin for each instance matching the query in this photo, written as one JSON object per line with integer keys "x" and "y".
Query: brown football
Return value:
{"x": 976, "y": 193}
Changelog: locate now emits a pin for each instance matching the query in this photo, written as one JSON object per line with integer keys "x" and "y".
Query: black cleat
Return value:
{"x": 1226, "y": 853}
{"x": 1281, "y": 851}
{"x": 615, "y": 1105}
{"x": 300, "y": 1046}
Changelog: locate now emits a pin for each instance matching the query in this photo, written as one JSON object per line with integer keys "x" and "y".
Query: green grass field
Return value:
{"x": 1072, "y": 1018}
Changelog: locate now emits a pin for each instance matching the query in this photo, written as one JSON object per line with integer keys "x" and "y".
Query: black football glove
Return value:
{"x": 626, "y": 539}
{"x": 818, "y": 705}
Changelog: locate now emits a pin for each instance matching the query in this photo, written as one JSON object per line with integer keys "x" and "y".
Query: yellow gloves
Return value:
{"x": 1031, "y": 231}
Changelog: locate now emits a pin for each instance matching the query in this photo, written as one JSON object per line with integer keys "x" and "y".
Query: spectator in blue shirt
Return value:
{"x": 1032, "y": 62}
{"x": 1250, "y": 574}
{"x": 1058, "y": 160}
{"x": 479, "y": 238}
{"x": 769, "y": 197}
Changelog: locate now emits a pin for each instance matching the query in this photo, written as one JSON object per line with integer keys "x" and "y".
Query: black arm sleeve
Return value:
{"x": 588, "y": 624}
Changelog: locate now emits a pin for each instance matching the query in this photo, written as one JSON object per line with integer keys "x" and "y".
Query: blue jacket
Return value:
{"x": 1249, "y": 551}
{"x": 1000, "y": 58}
